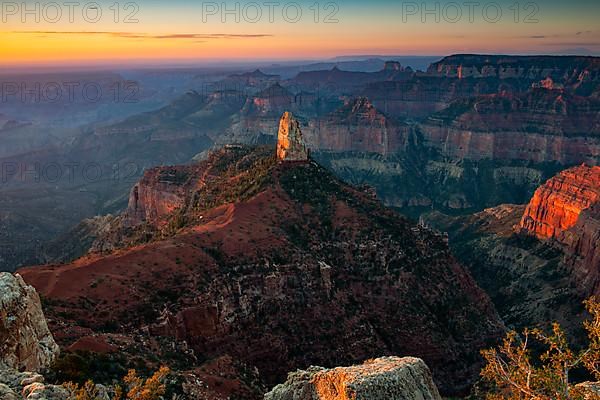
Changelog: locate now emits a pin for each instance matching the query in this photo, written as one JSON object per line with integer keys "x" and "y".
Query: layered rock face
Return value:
{"x": 570, "y": 70}
{"x": 539, "y": 126}
{"x": 424, "y": 95}
{"x": 387, "y": 378}
{"x": 415, "y": 182}
{"x": 290, "y": 144}
{"x": 358, "y": 126}
{"x": 558, "y": 204}
{"x": 567, "y": 209}
{"x": 25, "y": 341}
{"x": 156, "y": 196}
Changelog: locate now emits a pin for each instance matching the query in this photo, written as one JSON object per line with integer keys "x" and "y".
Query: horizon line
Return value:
{"x": 239, "y": 62}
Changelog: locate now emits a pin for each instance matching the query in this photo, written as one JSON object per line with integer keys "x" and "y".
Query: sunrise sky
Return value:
{"x": 194, "y": 30}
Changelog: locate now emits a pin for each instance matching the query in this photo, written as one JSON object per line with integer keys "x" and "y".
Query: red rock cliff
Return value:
{"x": 157, "y": 195}
{"x": 557, "y": 205}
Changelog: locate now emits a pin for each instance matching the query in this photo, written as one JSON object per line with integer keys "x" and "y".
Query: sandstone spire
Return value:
{"x": 290, "y": 145}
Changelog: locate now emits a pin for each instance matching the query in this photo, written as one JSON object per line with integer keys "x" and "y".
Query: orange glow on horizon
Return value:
{"x": 176, "y": 34}
{"x": 57, "y": 47}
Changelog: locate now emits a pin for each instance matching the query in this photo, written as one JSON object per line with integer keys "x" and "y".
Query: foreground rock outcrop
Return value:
{"x": 25, "y": 341}
{"x": 387, "y": 378}
{"x": 16, "y": 385}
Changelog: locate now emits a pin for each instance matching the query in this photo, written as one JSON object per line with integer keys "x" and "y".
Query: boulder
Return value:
{"x": 7, "y": 393}
{"x": 25, "y": 341}
{"x": 386, "y": 378}
{"x": 16, "y": 385}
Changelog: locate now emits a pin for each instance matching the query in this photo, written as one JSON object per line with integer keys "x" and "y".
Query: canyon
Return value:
{"x": 326, "y": 266}
{"x": 469, "y": 133}
{"x": 539, "y": 261}
{"x": 247, "y": 244}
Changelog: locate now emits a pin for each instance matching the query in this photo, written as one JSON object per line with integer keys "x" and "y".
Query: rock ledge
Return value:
{"x": 387, "y": 378}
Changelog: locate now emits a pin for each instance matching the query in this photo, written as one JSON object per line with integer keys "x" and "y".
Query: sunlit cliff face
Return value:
{"x": 557, "y": 205}
{"x": 290, "y": 144}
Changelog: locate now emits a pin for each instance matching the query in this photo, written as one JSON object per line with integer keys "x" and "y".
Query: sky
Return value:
{"x": 80, "y": 32}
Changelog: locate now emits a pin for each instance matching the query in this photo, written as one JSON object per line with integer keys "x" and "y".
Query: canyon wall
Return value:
{"x": 570, "y": 70}
{"x": 558, "y": 204}
{"x": 566, "y": 209}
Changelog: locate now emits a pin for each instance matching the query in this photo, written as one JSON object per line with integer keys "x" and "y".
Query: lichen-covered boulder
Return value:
{"x": 386, "y": 378}
{"x": 7, "y": 393}
{"x": 25, "y": 341}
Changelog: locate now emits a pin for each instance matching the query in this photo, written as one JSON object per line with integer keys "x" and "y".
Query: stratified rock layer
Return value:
{"x": 558, "y": 204}
{"x": 358, "y": 126}
{"x": 25, "y": 341}
{"x": 290, "y": 145}
{"x": 539, "y": 126}
{"x": 387, "y": 378}
{"x": 567, "y": 70}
